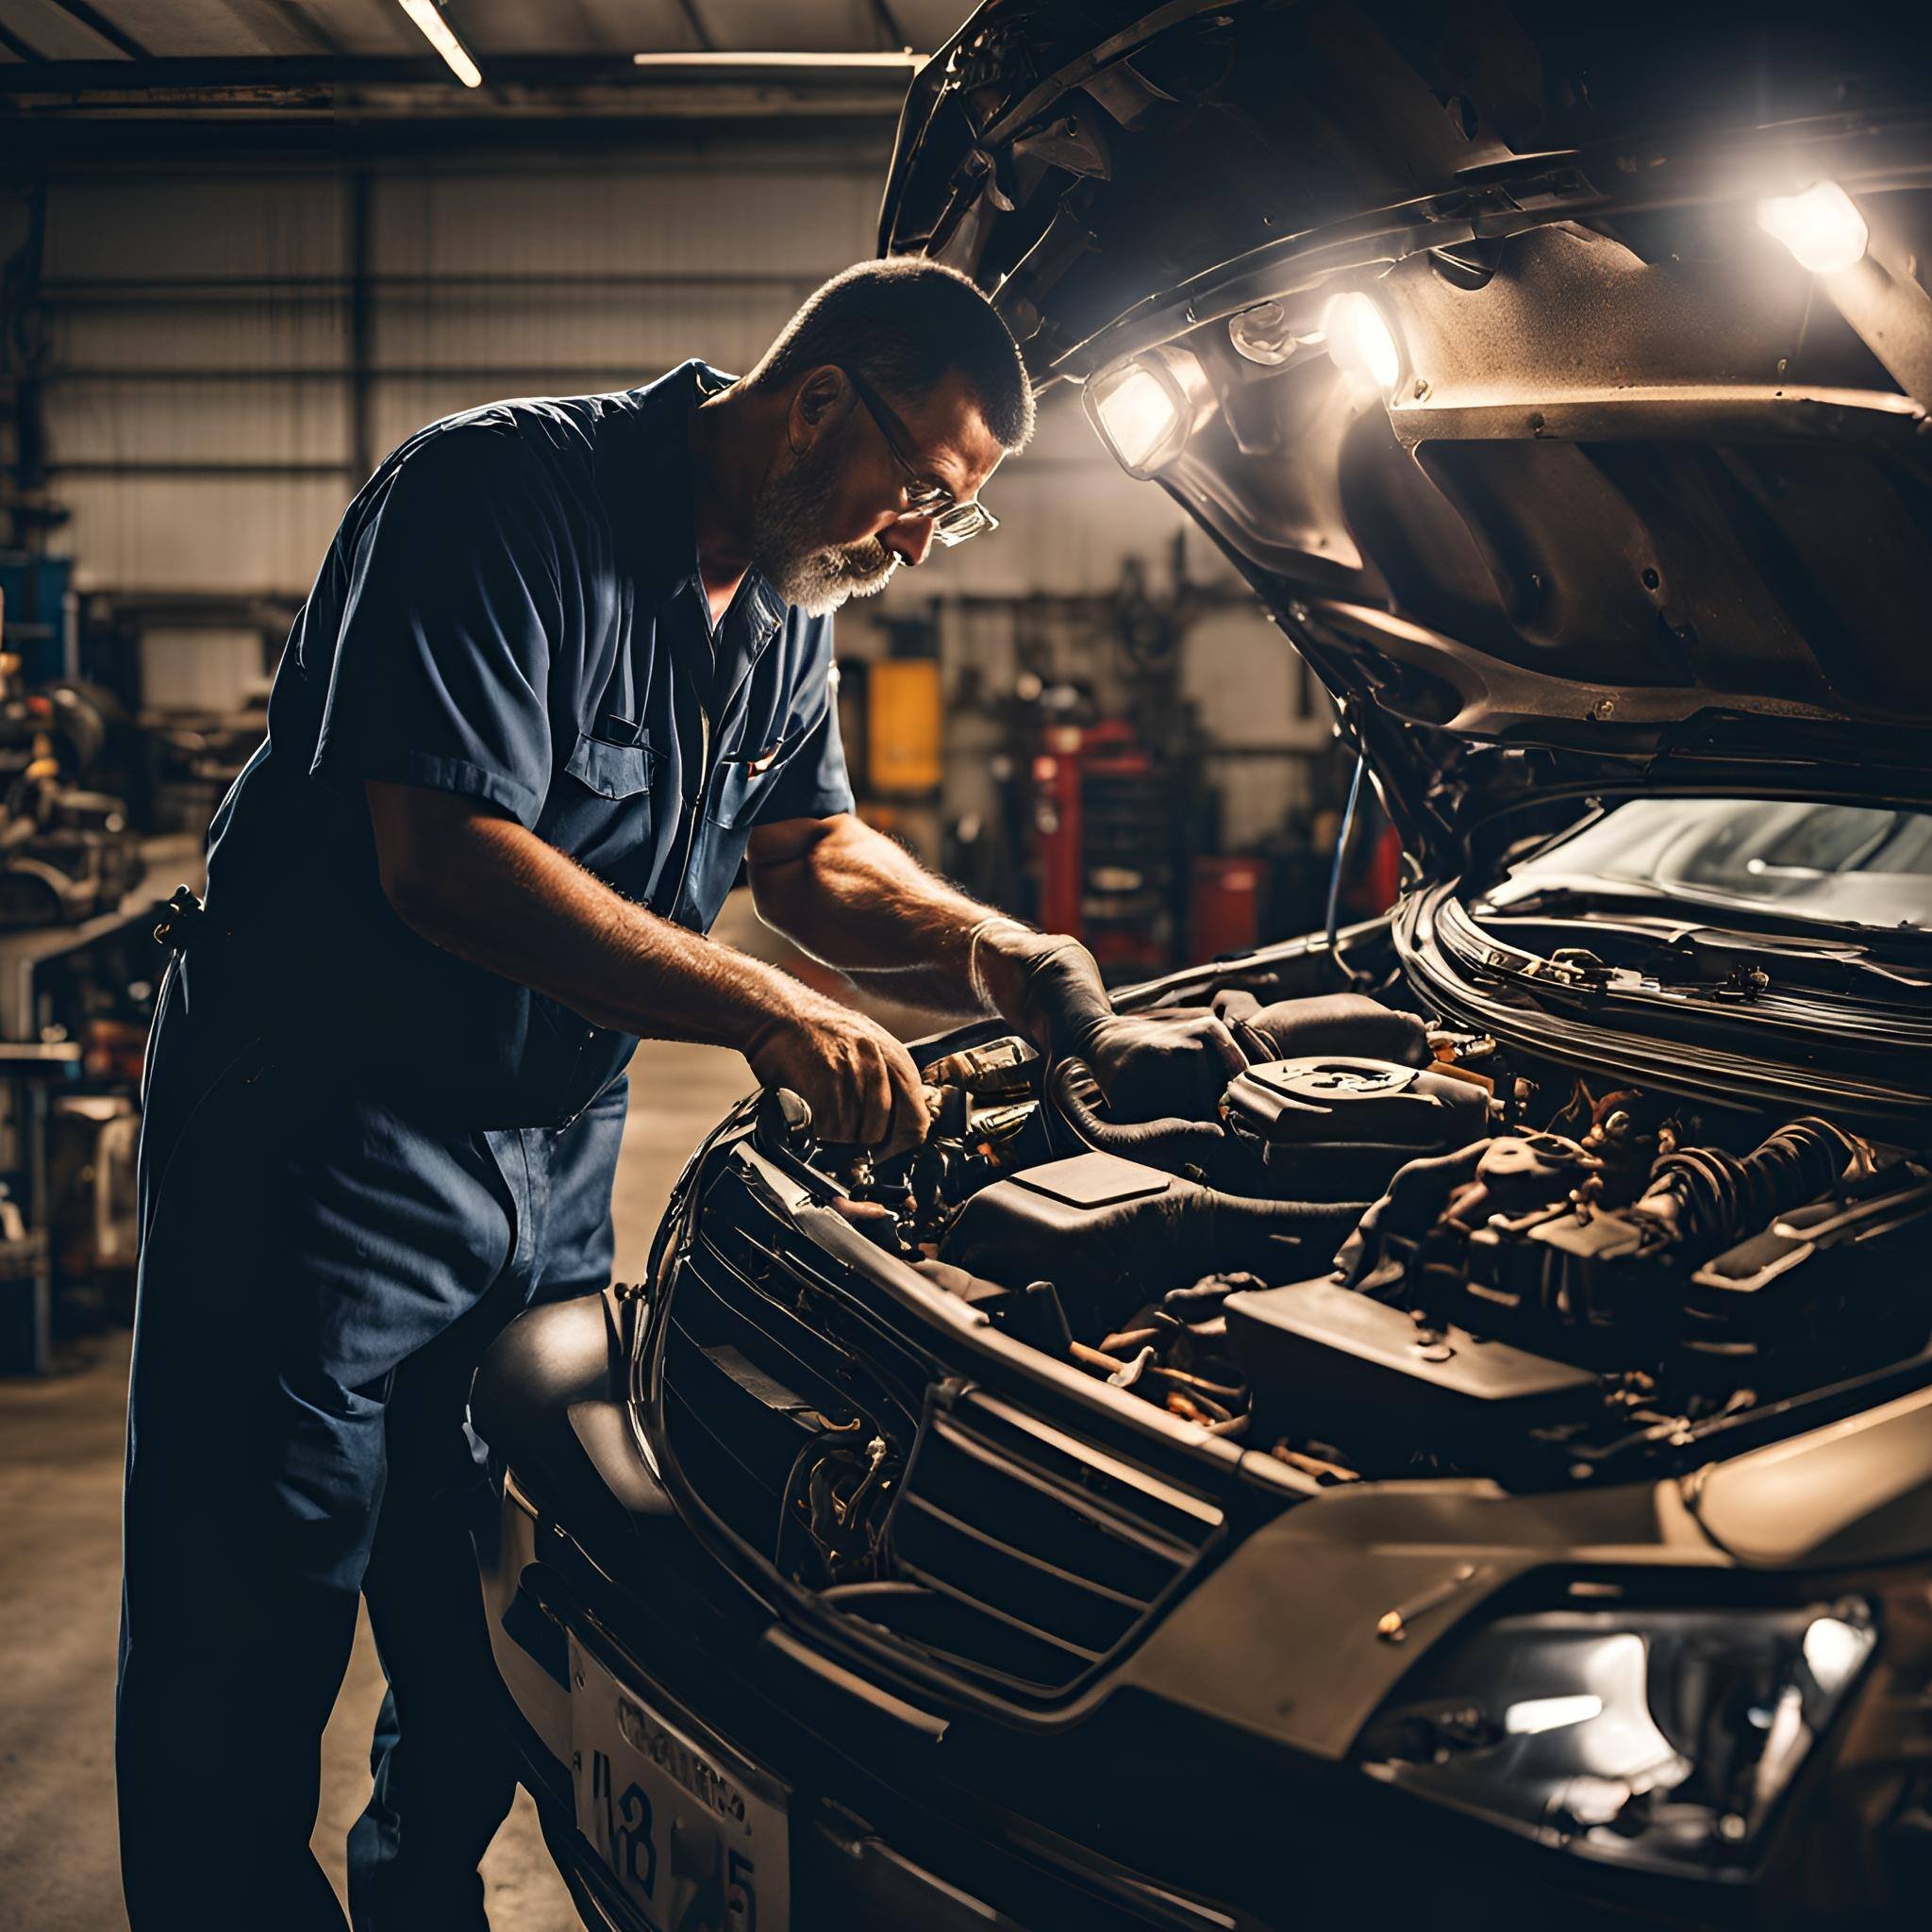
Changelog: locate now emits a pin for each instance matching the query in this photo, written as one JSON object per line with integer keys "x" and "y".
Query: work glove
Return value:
{"x": 1151, "y": 1066}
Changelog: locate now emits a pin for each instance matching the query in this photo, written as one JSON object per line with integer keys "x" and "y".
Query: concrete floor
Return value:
{"x": 61, "y": 1453}
{"x": 60, "y": 1448}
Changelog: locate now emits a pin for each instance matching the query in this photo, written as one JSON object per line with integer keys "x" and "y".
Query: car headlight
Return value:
{"x": 1663, "y": 1738}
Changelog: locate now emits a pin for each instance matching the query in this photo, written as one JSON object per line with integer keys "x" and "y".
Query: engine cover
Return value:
{"x": 1088, "y": 1225}
{"x": 1112, "y": 1235}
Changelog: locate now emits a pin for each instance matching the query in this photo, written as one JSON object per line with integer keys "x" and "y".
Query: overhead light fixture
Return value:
{"x": 441, "y": 36}
{"x": 904, "y": 61}
{"x": 1147, "y": 409}
{"x": 1361, "y": 343}
{"x": 1822, "y": 227}
{"x": 1263, "y": 334}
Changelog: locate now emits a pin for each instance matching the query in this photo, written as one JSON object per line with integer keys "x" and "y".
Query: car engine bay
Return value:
{"x": 1399, "y": 1250}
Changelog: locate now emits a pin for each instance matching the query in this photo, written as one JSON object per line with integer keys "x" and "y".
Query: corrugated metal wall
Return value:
{"x": 163, "y": 275}
{"x": 207, "y": 425}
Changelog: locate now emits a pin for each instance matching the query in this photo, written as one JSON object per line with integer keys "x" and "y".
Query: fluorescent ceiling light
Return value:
{"x": 1822, "y": 227}
{"x": 441, "y": 36}
{"x": 906, "y": 59}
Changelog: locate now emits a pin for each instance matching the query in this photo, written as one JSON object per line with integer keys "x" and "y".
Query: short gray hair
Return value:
{"x": 906, "y": 324}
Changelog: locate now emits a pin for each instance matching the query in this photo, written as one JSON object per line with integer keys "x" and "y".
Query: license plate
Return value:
{"x": 696, "y": 1837}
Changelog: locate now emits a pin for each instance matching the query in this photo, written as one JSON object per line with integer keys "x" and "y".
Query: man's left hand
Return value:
{"x": 1153, "y": 1065}
{"x": 1149, "y": 1065}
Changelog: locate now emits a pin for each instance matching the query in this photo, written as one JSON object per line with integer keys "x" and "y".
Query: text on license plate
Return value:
{"x": 695, "y": 1838}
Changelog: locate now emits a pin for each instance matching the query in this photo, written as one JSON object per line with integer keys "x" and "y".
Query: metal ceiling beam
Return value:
{"x": 96, "y": 22}
{"x": 217, "y": 470}
{"x": 300, "y": 21}
{"x": 896, "y": 35}
{"x": 533, "y": 376}
{"x": 156, "y": 79}
{"x": 729, "y": 123}
{"x": 14, "y": 44}
{"x": 695, "y": 20}
{"x": 429, "y": 286}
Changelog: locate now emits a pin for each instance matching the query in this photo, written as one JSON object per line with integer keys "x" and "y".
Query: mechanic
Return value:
{"x": 567, "y": 663}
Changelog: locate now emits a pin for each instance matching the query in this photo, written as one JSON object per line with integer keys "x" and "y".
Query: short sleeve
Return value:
{"x": 813, "y": 782}
{"x": 442, "y": 667}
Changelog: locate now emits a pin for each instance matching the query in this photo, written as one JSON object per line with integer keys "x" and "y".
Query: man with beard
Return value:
{"x": 567, "y": 664}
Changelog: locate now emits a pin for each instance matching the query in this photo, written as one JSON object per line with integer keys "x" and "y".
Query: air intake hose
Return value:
{"x": 1344, "y": 1022}
{"x": 1112, "y": 1235}
{"x": 1174, "y": 1144}
{"x": 1704, "y": 1195}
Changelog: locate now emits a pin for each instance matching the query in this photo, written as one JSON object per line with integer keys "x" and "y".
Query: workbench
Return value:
{"x": 34, "y": 1068}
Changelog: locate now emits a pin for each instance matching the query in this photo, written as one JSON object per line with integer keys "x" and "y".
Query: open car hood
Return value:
{"x": 1606, "y": 490}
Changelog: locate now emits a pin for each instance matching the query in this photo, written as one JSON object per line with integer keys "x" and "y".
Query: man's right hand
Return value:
{"x": 469, "y": 878}
{"x": 858, "y": 1081}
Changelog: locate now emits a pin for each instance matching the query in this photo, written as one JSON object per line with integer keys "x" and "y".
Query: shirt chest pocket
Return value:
{"x": 600, "y": 810}
{"x": 745, "y": 779}
{"x": 612, "y": 770}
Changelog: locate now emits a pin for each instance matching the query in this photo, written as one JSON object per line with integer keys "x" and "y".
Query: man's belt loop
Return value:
{"x": 182, "y": 916}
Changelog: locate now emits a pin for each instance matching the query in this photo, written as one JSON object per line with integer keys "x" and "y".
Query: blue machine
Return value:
{"x": 42, "y": 624}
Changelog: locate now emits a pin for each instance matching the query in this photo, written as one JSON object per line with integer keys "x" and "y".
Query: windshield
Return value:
{"x": 1837, "y": 864}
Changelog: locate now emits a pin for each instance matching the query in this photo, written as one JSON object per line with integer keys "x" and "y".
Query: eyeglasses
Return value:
{"x": 953, "y": 521}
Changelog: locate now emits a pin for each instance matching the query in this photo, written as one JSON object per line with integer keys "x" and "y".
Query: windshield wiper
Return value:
{"x": 1691, "y": 906}
{"x": 1683, "y": 956}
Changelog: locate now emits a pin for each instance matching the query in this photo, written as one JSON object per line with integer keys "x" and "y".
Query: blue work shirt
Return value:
{"x": 511, "y": 610}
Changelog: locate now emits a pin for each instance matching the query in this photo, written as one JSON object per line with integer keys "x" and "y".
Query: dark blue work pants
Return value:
{"x": 319, "y": 1275}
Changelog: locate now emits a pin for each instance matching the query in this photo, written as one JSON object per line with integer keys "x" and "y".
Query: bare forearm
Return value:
{"x": 854, "y": 899}
{"x": 505, "y": 900}
{"x": 481, "y": 886}
{"x": 858, "y": 901}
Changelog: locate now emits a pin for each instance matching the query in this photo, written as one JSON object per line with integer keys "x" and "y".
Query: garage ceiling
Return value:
{"x": 88, "y": 31}
{"x": 362, "y": 61}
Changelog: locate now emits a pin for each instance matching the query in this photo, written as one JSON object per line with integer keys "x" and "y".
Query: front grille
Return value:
{"x": 750, "y": 1385}
{"x": 1005, "y": 1549}
{"x": 1033, "y": 1557}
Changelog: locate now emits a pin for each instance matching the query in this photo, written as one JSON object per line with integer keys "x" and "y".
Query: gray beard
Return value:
{"x": 813, "y": 576}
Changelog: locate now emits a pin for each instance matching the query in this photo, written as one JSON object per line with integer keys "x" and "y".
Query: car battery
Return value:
{"x": 1327, "y": 1364}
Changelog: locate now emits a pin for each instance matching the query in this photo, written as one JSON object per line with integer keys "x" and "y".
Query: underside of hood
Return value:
{"x": 1483, "y": 339}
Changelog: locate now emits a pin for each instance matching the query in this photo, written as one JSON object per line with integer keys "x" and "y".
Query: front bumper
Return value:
{"x": 1147, "y": 1808}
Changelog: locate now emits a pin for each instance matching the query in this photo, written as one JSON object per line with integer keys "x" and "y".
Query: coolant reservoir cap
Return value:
{"x": 1341, "y": 1100}
{"x": 1332, "y": 1082}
